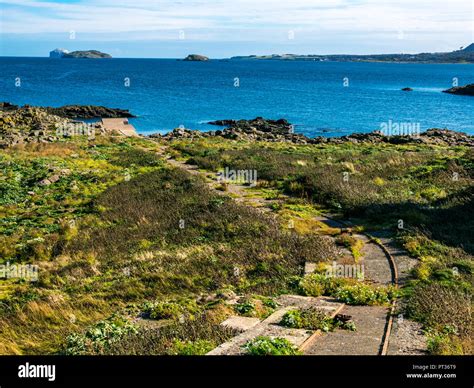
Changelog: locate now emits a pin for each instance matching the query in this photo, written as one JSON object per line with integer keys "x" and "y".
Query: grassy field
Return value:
{"x": 121, "y": 238}
{"x": 119, "y": 229}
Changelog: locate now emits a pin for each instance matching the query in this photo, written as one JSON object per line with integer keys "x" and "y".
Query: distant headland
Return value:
{"x": 463, "y": 55}
{"x": 62, "y": 53}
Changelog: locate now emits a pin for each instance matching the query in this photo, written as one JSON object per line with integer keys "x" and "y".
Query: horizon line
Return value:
{"x": 247, "y": 55}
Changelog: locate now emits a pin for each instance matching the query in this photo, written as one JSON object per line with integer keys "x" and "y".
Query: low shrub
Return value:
{"x": 292, "y": 319}
{"x": 314, "y": 319}
{"x": 257, "y": 306}
{"x": 319, "y": 284}
{"x": 363, "y": 294}
{"x": 192, "y": 348}
{"x": 99, "y": 337}
{"x": 349, "y": 291}
{"x": 165, "y": 310}
{"x": 191, "y": 337}
{"x": 444, "y": 344}
{"x": 171, "y": 309}
{"x": 266, "y": 346}
{"x": 246, "y": 308}
{"x": 439, "y": 306}
{"x": 310, "y": 319}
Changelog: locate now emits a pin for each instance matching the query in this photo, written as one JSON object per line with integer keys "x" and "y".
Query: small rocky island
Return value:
{"x": 467, "y": 90}
{"x": 62, "y": 53}
{"x": 195, "y": 58}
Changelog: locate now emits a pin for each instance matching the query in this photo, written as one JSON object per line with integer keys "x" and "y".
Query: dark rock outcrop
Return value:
{"x": 223, "y": 123}
{"x": 467, "y": 90}
{"x": 258, "y": 124}
{"x": 195, "y": 58}
{"x": 89, "y": 112}
{"x": 76, "y": 111}
{"x": 260, "y": 129}
{"x": 6, "y": 106}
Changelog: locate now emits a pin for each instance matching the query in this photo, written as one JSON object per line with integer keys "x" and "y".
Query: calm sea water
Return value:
{"x": 166, "y": 93}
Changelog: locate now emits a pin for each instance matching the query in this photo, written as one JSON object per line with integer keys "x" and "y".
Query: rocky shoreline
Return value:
{"x": 28, "y": 124}
{"x": 260, "y": 129}
{"x": 74, "y": 111}
{"x": 19, "y": 125}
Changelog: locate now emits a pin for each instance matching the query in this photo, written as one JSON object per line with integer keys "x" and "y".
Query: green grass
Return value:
{"x": 152, "y": 234}
{"x": 422, "y": 195}
{"x": 189, "y": 337}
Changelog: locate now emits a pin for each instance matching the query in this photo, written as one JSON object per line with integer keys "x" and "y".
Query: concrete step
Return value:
{"x": 270, "y": 326}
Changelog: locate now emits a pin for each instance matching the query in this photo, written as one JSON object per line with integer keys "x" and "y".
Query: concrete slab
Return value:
{"x": 270, "y": 327}
{"x": 309, "y": 268}
{"x": 366, "y": 340}
{"x": 376, "y": 263}
{"x": 120, "y": 126}
{"x": 240, "y": 323}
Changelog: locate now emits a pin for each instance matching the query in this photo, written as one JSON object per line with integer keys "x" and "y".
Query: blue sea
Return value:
{"x": 167, "y": 93}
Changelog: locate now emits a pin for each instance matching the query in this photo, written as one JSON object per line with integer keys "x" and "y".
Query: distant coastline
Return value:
{"x": 463, "y": 55}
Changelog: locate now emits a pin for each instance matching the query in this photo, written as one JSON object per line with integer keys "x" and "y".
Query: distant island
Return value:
{"x": 196, "y": 58}
{"x": 62, "y": 53}
{"x": 463, "y": 55}
{"x": 467, "y": 90}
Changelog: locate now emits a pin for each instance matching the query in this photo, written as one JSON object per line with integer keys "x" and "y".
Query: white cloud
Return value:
{"x": 141, "y": 15}
{"x": 244, "y": 20}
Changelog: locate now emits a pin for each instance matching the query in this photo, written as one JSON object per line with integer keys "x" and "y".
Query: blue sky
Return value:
{"x": 222, "y": 28}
